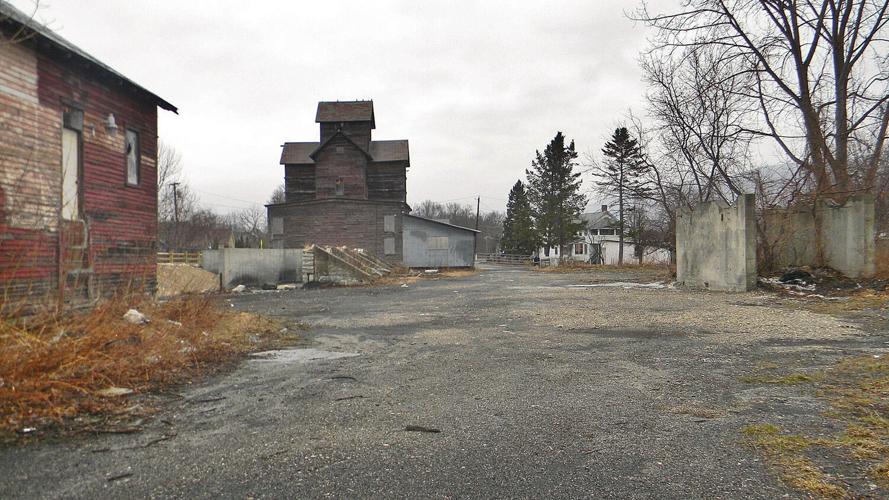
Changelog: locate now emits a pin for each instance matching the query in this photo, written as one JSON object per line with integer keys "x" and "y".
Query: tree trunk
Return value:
{"x": 620, "y": 251}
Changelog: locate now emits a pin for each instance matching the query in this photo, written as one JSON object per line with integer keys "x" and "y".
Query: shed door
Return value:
{"x": 70, "y": 174}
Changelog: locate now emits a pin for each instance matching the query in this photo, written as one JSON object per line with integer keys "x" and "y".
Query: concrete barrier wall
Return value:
{"x": 847, "y": 236}
{"x": 254, "y": 266}
{"x": 716, "y": 246}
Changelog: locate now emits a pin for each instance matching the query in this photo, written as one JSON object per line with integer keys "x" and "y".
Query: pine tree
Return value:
{"x": 518, "y": 227}
{"x": 554, "y": 193}
{"x": 623, "y": 175}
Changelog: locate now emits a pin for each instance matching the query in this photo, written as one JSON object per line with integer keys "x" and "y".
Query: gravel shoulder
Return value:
{"x": 536, "y": 386}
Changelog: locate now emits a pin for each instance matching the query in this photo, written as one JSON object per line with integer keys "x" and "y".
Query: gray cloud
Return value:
{"x": 476, "y": 86}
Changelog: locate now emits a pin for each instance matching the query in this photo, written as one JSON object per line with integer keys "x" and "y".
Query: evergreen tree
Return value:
{"x": 554, "y": 193}
{"x": 518, "y": 226}
{"x": 623, "y": 175}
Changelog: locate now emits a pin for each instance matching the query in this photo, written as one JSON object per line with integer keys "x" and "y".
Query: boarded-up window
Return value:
{"x": 438, "y": 243}
{"x": 276, "y": 226}
{"x": 389, "y": 246}
{"x": 132, "y": 150}
{"x": 389, "y": 223}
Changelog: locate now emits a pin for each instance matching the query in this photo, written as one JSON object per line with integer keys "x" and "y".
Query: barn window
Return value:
{"x": 277, "y": 225}
{"x": 340, "y": 186}
{"x": 389, "y": 223}
{"x": 132, "y": 151}
{"x": 438, "y": 243}
{"x": 389, "y": 246}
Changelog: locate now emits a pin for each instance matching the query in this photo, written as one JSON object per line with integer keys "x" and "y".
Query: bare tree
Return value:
{"x": 819, "y": 75}
{"x": 278, "y": 195}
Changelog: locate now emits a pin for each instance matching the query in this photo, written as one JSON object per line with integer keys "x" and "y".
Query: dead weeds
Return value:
{"x": 57, "y": 367}
{"x": 857, "y": 390}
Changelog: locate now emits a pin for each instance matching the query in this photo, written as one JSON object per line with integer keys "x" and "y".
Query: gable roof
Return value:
{"x": 433, "y": 221}
{"x": 300, "y": 153}
{"x": 347, "y": 138}
{"x": 345, "y": 111}
{"x": 45, "y": 37}
{"x": 597, "y": 220}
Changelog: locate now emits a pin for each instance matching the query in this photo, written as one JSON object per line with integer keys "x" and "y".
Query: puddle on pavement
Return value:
{"x": 299, "y": 355}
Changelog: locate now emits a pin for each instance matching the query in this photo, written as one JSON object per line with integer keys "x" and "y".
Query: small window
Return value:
{"x": 389, "y": 246}
{"x": 546, "y": 252}
{"x": 606, "y": 232}
{"x": 579, "y": 249}
{"x": 340, "y": 187}
{"x": 438, "y": 243}
{"x": 339, "y": 149}
{"x": 132, "y": 151}
{"x": 389, "y": 223}
{"x": 594, "y": 232}
{"x": 277, "y": 225}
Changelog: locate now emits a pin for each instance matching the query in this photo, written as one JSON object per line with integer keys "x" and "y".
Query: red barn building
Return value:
{"x": 78, "y": 180}
{"x": 345, "y": 189}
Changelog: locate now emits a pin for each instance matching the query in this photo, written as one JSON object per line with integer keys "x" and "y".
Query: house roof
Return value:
{"x": 441, "y": 223}
{"x": 48, "y": 38}
{"x": 345, "y": 111}
{"x": 597, "y": 220}
{"x": 299, "y": 153}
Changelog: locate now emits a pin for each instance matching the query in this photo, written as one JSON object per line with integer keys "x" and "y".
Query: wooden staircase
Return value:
{"x": 363, "y": 266}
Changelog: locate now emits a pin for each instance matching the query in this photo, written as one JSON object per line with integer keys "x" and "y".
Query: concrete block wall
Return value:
{"x": 848, "y": 236}
{"x": 716, "y": 246}
{"x": 254, "y": 266}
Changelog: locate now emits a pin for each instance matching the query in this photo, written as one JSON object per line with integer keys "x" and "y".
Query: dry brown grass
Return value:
{"x": 55, "y": 367}
{"x": 857, "y": 390}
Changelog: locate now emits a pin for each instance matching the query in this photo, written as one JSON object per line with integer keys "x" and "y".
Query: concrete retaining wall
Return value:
{"x": 254, "y": 266}
{"x": 716, "y": 246}
{"x": 847, "y": 236}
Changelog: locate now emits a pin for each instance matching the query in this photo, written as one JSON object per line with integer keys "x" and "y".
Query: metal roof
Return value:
{"x": 10, "y": 14}
{"x": 441, "y": 223}
{"x": 345, "y": 111}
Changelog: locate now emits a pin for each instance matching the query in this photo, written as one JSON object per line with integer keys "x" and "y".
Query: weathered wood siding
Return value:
{"x": 120, "y": 221}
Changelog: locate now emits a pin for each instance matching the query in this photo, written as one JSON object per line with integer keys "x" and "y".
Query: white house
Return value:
{"x": 599, "y": 243}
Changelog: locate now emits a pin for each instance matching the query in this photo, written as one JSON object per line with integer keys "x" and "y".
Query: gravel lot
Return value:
{"x": 537, "y": 387}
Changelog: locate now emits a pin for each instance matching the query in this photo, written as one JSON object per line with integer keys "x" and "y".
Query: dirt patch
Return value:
{"x": 76, "y": 371}
{"x": 178, "y": 279}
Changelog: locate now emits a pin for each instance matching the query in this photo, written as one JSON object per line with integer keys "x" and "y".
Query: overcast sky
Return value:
{"x": 476, "y": 86}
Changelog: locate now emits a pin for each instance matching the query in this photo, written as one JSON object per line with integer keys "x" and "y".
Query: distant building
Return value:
{"x": 599, "y": 243}
{"x": 78, "y": 186}
{"x": 345, "y": 189}
{"x": 435, "y": 243}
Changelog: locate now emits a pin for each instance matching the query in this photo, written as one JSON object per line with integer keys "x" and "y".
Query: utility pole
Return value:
{"x": 175, "y": 202}
{"x": 175, "y": 214}
{"x": 478, "y": 204}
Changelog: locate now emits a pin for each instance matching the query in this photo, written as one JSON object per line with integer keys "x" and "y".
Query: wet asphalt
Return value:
{"x": 435, "y": 390}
